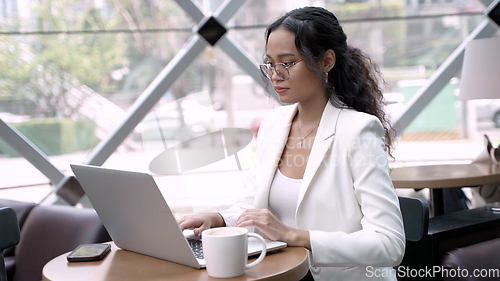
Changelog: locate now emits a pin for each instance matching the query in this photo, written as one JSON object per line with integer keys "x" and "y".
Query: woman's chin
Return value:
{"x": 286, "y": 100}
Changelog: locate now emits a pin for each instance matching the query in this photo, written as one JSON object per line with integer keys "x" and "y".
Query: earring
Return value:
{"x": 326, "y": 77}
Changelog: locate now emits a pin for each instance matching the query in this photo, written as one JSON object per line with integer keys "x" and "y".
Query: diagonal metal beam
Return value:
{"x": 162, "y": 82}
{"x": 440, "y": 78}
{"x": 29, "y": 151}
{"x": 227, "y": 10}
{"x": 151, "y": 95}
{"x": 235, "y": 51}
{"x": 191, "y": 9}
{"x": 245, "y": 61}
{"x": 231, "y": 48}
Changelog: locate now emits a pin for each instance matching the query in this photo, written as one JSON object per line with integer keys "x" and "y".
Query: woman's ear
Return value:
{"x": 328, "y": 60}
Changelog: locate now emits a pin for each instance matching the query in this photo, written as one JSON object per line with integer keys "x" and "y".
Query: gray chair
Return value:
{"x": 9, "y": 235}
{"x": 415, "y": 213}
{"x": 22, "y": 210}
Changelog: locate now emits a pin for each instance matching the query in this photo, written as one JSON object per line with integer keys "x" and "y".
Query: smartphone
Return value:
{"x": 89, "y": 252}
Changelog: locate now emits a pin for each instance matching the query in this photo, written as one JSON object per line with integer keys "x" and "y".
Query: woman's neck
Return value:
{"x": 310, "y": 112}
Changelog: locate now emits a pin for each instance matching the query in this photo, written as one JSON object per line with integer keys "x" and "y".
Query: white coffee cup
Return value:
{"x": 225, "y": 251}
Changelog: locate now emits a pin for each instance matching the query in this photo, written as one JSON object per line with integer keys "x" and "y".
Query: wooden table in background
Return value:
{"x": 437, "y": 177}
{"x": 290, "y": 263}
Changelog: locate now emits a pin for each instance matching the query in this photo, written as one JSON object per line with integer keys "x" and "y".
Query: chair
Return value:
{"x": 50, "y": 231}
{"x": 9, "y": 235}
{"x": 415, "y": 213}
{"x": 480, "y": 260}
{"x": 22, "y": 210}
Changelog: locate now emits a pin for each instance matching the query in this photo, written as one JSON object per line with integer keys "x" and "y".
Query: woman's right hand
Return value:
{"x": 200, "y": 222}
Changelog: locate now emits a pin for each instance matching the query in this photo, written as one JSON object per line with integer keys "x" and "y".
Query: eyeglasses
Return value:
{"x": 281, "y": 69}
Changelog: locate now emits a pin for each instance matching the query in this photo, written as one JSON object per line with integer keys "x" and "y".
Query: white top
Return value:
{"x": 283, "y": 198}
{"x": 350, "y": 206}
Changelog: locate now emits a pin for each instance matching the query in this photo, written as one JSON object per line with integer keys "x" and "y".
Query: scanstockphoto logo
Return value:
{"x": 363, "y": 152}
{"x": 369, "y": 158}
{"x": 431, "y": 272}
{"x": 186, "y": 132}
{"x": 187, "y": 135}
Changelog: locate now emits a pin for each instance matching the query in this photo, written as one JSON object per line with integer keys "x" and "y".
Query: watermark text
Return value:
{"x": 435, "y": 271}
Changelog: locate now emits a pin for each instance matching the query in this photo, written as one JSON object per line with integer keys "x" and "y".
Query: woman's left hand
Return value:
{"x": 273, "y": 228}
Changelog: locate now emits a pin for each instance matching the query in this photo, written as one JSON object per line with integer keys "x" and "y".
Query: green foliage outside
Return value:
{"x": 55, "y": 136}
{"x": 41, "y": 68}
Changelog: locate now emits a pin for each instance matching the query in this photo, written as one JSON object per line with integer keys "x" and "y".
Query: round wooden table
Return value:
{"x": 290, "y": 263}
{"x": 437, "y": 177}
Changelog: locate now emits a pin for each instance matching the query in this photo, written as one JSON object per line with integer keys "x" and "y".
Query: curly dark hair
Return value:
{"x": 354, "y": 80}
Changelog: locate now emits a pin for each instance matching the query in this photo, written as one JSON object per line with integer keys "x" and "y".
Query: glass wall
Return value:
{"x": 71, "y": 71}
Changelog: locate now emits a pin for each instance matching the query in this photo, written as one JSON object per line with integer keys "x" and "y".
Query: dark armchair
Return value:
{"x": 48, "y": 232}
{"x": 9, "y": 235}
{"x": 481, "y": 261}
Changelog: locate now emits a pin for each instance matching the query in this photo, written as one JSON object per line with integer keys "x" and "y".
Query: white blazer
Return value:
{"x": 346, "y": 200}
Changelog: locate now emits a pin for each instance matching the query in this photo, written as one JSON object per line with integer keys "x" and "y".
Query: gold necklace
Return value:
{"x": 300, "y": 136}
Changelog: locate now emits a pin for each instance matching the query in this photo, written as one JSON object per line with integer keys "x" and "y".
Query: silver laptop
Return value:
{"x": 138, "y": 219}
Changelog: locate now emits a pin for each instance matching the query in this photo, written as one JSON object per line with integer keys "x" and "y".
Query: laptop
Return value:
{"x": 138, "y": 218}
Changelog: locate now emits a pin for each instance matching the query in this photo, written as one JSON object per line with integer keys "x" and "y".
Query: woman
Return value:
{"x": 322, "y": 171}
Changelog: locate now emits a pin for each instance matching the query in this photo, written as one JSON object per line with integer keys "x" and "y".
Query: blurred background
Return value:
{"x": 71, "y": 70}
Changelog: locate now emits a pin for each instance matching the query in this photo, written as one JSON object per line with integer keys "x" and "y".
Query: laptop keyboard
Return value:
{"x": 197, "y": 247}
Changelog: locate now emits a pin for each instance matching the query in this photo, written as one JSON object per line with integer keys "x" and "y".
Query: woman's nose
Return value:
{"x": 274, "y": 75}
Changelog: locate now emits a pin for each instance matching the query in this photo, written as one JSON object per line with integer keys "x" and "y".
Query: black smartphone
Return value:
{"x": 89, "y": 252}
